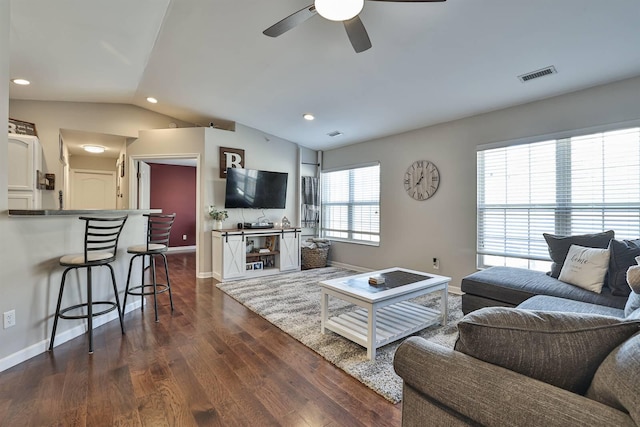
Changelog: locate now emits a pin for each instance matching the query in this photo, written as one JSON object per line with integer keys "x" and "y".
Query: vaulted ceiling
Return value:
{"x": 207, "y": 60}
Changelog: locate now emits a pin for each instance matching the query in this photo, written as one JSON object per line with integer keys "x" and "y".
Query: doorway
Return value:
{"x": 140, "y": 185}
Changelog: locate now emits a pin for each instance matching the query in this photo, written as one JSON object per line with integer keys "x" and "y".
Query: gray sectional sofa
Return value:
{"x": 548, "y": 362}
{"x": 532, "y": 351}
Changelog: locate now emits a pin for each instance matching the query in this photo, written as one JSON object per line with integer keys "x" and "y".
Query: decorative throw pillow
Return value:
{"x": 559, "y": 246}
{"x": 585, "y": 267}
{"x": 560, "y": 348}
{"x": 633, "y": 278}
{"x": 616, "y": 383}
{"x": 623, "y": 253}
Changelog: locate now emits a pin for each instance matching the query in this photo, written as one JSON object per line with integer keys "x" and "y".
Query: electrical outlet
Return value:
{"x": 9, "y": 318}
{"x": 436, "y": 264}
{"x": 184, "y": 237}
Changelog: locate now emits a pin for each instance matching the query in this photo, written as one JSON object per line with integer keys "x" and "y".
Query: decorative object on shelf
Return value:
{"x": 22, "y": 128}
{"x": 50, "y": 181}
{"x": 270, "y": 243}
{"x": 230, "y": 158}
{"x": 421, "y": 180}
{"x": 257, "y": 265}
{"x": 250, "y": 244}
{"x": 218, "y": 217}
{"x": 285, "y": 222}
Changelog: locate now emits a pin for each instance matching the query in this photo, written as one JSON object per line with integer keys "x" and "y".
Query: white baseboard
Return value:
{"x": 42, "y": 346}
{"x": 348, "y": 266}
{"x": 182, "y": 249}
{"x": 205, "y": 275}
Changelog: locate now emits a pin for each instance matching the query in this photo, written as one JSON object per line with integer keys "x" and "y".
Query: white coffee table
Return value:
{"x": 383, "y": 312}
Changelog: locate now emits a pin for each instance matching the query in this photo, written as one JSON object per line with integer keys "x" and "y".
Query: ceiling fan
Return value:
{"x": 346, "y": 11}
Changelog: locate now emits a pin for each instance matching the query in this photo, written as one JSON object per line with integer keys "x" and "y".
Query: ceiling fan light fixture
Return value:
{"x": 339, "y": 10}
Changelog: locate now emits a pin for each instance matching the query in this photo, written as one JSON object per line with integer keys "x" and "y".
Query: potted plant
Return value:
{"x": 218, "y": 217}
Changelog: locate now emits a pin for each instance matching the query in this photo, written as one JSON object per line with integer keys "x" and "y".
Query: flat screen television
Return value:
{"x": 249, "y": 188}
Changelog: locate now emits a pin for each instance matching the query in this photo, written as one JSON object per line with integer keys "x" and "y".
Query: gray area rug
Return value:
{"x": 291, "y": 301}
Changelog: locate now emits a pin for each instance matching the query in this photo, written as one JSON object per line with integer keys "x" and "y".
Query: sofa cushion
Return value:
{"x": 623, "y": 254}
{"x": 547, "y": 303}
{"x": 585, "y": 267}
{"x": 616, "y": 383}
{"x": 562, "y": 349}
{"x": 513, "y": 285}
{"x": 559, "y": 246}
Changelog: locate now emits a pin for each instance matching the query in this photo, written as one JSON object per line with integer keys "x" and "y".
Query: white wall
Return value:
{"x": 114, "y": 119}
{"x": 262, "y": 151}
{"x": 412, "y": 232}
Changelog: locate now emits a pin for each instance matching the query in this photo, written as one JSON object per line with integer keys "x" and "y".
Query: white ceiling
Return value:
{"x": 207, "y": 60}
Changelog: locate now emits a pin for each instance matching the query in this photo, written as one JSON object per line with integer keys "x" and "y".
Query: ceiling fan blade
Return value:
{"x": 357, "y": 34}
{"x": 290, "y": 21}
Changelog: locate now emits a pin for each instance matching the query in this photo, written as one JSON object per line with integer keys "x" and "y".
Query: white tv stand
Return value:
{"x": 232, "y": 260}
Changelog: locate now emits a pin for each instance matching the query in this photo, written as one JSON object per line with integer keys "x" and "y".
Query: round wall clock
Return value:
{"x": 421, "y": 180}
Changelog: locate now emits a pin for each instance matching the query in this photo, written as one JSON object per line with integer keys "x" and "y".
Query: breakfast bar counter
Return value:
{"x": 76, "y": 212}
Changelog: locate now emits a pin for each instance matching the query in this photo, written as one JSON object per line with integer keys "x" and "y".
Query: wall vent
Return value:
{"x": 537, "y": 74}
{"x": 334, "y": 133}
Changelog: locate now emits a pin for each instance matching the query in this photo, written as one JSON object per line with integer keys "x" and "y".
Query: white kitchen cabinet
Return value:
{"x": 25, "y": 160}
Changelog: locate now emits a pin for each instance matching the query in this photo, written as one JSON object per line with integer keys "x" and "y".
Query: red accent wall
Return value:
{"x": 173, "y": 189}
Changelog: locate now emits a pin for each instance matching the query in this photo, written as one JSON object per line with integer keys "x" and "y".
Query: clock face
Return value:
{"x": 421, "y": 180}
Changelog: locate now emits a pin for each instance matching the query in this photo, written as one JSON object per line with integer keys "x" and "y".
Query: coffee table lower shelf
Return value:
{"x": 392, "y": 323}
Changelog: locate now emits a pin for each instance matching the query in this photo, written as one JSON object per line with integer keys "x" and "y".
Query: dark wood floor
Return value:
{"x": 211, "y": 362}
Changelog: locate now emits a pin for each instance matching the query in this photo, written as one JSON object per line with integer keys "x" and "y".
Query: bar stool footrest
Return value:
{"x": 139, "y": 290}
{"x": 112, "y": 306}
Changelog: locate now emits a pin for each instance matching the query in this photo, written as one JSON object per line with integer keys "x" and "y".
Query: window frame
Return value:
{"x": 351, "y": 203}
{"x": 564, "y": 137}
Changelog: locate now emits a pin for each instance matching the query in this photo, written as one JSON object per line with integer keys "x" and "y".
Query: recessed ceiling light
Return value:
{"x": 152, "y": 100}
{"x": 21, "y": 82}
{"x": 308, "y": 116}
{"x": 94, "y": 148}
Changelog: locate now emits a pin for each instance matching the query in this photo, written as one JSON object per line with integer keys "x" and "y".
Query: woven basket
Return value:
{"x": 314, "y": 258}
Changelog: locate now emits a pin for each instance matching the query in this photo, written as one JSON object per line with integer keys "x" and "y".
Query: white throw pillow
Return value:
{"x": 585, "y": 267}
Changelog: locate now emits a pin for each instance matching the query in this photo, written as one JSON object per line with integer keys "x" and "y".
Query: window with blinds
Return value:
{"x": 351, "y": 204}
{"x": 575, "y": 185}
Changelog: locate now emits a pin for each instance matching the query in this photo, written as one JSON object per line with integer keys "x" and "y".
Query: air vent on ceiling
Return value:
{"x": 538, "y": 73}
{"x": 334, "y": 133}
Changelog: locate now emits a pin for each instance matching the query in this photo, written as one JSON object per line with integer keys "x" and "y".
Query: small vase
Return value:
{"x": 217, "y": 224}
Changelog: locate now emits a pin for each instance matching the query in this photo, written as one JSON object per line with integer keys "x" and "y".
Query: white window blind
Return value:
{"x": 351, "y": 204}
{"x": 575, "y": 185}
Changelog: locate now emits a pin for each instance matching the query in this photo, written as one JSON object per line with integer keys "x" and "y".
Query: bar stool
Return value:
{"x": 100, "y": 249}
{"x": 158, "y": 230}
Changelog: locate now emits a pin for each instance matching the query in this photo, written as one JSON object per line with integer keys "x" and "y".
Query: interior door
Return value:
{"x": 93, "y": 189}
